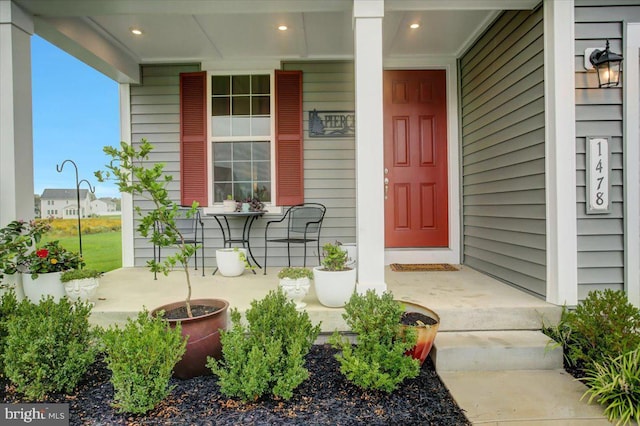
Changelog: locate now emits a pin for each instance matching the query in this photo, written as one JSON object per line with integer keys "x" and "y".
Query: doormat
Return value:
{"x": 422, "y": 267}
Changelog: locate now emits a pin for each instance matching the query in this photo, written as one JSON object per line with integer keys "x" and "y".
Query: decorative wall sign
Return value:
{"x": 332, "y": 124}
{"x": 598, "y": 173}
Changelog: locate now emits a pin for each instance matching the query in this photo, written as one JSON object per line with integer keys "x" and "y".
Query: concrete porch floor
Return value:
{"x": 462, "y": 298}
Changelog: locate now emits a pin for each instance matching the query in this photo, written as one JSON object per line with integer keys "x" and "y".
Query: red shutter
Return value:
{"x": 289, "y": 138}
{"x": 193, "y": 138}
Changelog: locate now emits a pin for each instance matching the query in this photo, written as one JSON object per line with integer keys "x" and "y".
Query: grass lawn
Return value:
{"x": 101, "y": 241}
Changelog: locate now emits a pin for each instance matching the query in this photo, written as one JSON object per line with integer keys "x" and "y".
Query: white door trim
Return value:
{"x": 631, "y": 101}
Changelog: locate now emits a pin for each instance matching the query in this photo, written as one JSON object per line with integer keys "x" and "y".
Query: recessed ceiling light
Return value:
{"x": 136, "y": 31}
{"x": 283, "y": 28}
{"x": 414, "y": 26}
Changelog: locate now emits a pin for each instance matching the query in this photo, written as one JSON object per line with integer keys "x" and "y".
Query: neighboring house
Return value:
{"x": 464, "y": 140}
{"x": 103, "y": 206}
{"x": 63, "y": 203}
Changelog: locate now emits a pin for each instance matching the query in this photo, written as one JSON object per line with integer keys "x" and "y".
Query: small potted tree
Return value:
{"x": 335, "y": 281}
{"x": 295, "y": 283}
{"x": 201, "y": 319}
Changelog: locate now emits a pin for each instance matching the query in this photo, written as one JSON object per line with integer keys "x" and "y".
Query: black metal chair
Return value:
{"x": 192, "y": 230}
{"x": 304, "y": 222}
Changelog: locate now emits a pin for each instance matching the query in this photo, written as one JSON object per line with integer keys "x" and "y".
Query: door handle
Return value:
{"x": 386, "y": 187}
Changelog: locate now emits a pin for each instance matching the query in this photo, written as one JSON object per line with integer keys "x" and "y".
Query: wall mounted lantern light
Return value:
{"x": 606, "y": 63}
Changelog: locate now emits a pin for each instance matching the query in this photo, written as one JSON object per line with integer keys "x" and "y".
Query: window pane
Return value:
{"x": 240, "y": 84}
{"x": 262, "y": 191}
{"x": 242, "y": 191}
{"x": 242, "y": 151}
{"x": 222, "y": 151}
{"x": 220, "y": 85}
{"x": 261, "y": 151}
{"x": 240, "y": 105}
{"x": 260, "y": 84}
{"x": 240, "y": 126}
{"x": 242, "y": 171}
{"x": 221, "y": 126}
{"x": 260, "y": 126}
{"x": 261, "y": 170}
{"x": 222, "y": 171}
{"x": 221, "y": 190}
{"x": 220, "y": 106}
{"x": 260, "y": 105}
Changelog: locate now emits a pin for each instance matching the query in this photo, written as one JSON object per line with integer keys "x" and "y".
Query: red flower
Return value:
{"x": 42, "y": 253}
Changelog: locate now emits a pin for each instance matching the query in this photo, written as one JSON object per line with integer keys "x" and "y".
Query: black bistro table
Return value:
{"x": 223, "y": 221}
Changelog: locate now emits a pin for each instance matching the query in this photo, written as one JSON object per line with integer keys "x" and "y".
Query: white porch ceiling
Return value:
{"x": 178, "y": 31}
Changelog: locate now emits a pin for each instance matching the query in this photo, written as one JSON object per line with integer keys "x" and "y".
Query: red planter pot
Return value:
{"x": 426, "y": 333}
{"x": 203, "y": 334}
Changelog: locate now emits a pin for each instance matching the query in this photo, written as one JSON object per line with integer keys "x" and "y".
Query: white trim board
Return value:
{"x": 631, "y": 99}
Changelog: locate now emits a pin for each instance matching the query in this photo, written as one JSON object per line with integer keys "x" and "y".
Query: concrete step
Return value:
{"x": 516, "y": 317}
{"x": 494, "y": 350}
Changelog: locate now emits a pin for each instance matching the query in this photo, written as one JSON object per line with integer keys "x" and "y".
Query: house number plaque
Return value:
{"x": 598, "y": 169}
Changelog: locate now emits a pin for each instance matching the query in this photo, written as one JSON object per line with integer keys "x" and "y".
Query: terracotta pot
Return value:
{"x": 426, "y": 333}
{"x": 203, "y": 333}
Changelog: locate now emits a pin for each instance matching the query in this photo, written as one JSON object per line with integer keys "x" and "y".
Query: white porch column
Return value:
{"x": 126, "y": 200}
{"x": 16, "y": 134}
{"x": 367, "y": 16}
{"x": 562, "y": 227}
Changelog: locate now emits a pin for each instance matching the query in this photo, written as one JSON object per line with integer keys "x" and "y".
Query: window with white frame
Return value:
{"x": 241, "y": 136}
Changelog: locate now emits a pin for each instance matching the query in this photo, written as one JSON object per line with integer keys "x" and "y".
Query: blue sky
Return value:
{"x": 75, "y": 113}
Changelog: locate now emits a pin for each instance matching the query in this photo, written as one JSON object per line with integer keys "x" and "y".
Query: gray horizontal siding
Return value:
{"x": 503, "y": 152}
{"x": 599, "y": 112}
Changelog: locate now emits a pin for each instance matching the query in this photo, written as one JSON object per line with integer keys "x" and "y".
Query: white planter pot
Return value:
{"x": 296, "y": 290}
{"x": 83, "y": 289}
{"x": 12, "y": 281}
{"x": 334, "y": 288}
{"x": 229, "y": 262}
{"x": 229, "y": 206}
{"x": 48, "y": 284}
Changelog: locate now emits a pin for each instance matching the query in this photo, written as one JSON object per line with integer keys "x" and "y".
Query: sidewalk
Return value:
{"x": 519, "y": 398}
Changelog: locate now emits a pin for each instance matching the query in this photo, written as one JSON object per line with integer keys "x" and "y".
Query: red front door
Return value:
{"x": 415, "y": 140}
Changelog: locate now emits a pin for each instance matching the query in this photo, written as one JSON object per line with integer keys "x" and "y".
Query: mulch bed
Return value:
{"x": 325, "y": 399}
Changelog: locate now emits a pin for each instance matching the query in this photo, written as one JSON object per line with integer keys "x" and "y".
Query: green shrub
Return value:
{"x": 49, "y": 346}
{"x": 616, "y": 385}
{"x": 605, "y": 325}
{"x": 268, "y": 355}
{"x": 141, "y": 358}
{"x": 8, "y": 307}
{"x": 378, "y": 360}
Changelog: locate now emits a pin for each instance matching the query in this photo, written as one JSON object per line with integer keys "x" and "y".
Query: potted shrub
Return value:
{"x": 295, "y": 283}
{"x": 232, "y": 262}
{"x": 81, "y": 283}
{"x": 16, "y": 240}
{"x": 335, "y": 281}
{"x": 44, "y": 268}
{"x": 200, "y": 319}
{"x": 378, "y": 360}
